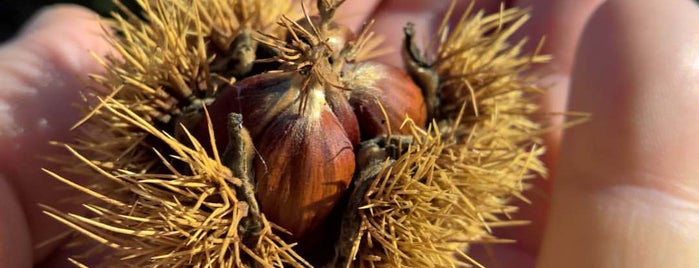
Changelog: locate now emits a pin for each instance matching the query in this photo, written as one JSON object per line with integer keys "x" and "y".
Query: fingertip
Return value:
{"x": 65, "y": 34}
{"x": 637, "y": 75}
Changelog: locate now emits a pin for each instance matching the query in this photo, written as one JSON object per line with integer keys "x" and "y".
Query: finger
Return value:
{"x": 392, "y": 16}
{"x": 42, "y": 71}
{"x": 561, "y": 23}
{"x": 626, "y": 194}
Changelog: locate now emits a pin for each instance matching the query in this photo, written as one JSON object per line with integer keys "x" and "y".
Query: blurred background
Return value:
{"x": 13, "y": 13}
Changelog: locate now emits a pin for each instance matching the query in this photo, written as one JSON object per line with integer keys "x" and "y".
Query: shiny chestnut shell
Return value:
{"x": 372, "y": 83}
{"x": 305, "y": 155}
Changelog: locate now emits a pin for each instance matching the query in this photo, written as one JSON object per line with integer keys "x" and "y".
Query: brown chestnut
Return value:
{"x": 374, "y": 83}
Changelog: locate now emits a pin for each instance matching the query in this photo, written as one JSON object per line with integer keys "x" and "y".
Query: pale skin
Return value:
{"x": 624, "y": 190}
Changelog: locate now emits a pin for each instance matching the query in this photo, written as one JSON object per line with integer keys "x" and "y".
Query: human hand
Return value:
{"x": 623, "y": 193}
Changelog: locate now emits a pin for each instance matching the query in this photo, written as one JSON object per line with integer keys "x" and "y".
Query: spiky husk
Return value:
{"x": 170, "y": 218}
{"x": 457, "y": 180}
{"x": 157, "y": 201}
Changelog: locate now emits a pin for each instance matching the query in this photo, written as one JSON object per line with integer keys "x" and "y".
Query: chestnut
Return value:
{"x": 383, "y": 97}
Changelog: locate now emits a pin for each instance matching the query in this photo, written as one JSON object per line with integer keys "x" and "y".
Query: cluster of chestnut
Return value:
{"x": 295, "y": 129}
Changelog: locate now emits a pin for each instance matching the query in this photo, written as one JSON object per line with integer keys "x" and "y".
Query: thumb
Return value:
{"x": 626, "y": 194}
{"x": 41, "y": 73}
